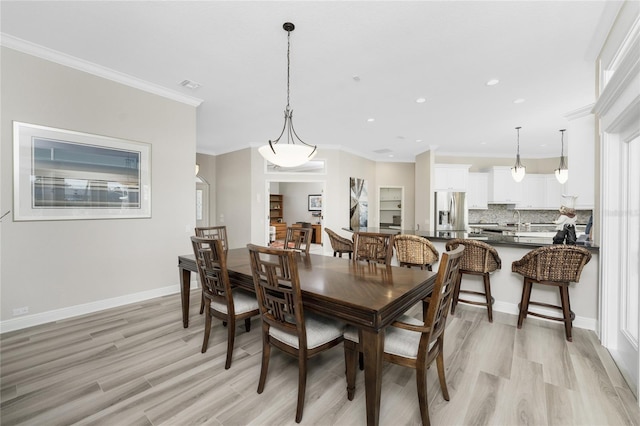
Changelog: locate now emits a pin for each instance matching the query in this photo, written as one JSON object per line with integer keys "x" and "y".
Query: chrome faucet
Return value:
{"x": 519, "y": 220}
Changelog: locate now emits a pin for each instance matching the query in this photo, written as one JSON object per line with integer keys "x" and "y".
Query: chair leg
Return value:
{"x": 334, "y": 254}
{"x": 207, "y": 327}
{"x": 350, "y": 351}
{"x": 247, "y": 324}
{"x": 266, "y": 351}
{"x": 421, "y": 382}
{"x": 231, "y": 335}
{"x": 441, "y": 376}
{"x": 487, "y": 291}
{"x": 524, "y": 302}
{"x": 302, "y": 384}
{"x": 566, "y": 310}
{"x": 202, "y": 303}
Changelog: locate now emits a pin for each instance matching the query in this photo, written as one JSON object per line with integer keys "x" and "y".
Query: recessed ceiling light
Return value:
{"x": 421, "y": 100}
{"x": 371, "y": 120}
{"x": 390, "y": 155}
{"x": 190, "y": 84}
{"x": 483, "y": 143}
{"x": 518, "y": 101}
{"x": 492, "y": 82}
{"x": 418, "y": 140}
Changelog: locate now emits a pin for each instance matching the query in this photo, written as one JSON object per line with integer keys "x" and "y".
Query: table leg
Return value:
{"x": 373, "y": 349}
{"x": 185, "y": 292}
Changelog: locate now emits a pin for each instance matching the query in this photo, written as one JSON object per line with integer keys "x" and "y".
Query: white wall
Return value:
{"x": 62, "y": 268}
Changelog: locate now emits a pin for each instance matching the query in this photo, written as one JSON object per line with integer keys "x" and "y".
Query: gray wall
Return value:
{"x": 67, "y": 267}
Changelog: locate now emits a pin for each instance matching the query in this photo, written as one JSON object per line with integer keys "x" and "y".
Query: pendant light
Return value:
{"x": 518, "y": 170}
{"x": 289, "y": 154}
{"x": 562, "y": 172}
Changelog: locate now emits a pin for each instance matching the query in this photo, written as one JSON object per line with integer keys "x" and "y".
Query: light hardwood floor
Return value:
{"x": 137, "y": 365}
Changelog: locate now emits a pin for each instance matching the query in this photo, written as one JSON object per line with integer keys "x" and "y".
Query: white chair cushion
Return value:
{"x": 397, "y": 341}
{"x": 320, "y": 330}
{"x": 242, "y": 302}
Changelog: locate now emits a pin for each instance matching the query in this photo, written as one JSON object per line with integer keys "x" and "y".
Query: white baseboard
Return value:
{"x": 26, "y": 321}
{"x": 512, "y": 308}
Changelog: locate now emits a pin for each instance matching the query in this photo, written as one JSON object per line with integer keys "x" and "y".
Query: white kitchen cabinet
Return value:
{"x": 478, "y": 191}
{"x": 541, "y": 192}
{"x": 553, "y": 192}
{"x": 533, "y": 192}
{"x": 502, "y": 188}
{"x": 451, "y": 177}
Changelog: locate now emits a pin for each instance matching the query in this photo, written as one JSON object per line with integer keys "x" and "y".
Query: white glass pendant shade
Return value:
{"x": 562, "y": 175}
{"x": 287, "y": 155}
{"x": 518, "y": 173}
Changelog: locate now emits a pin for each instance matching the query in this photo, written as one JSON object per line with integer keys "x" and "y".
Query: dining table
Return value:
{"x": 369, "y": 296}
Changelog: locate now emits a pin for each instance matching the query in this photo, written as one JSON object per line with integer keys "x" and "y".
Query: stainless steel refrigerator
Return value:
{"x": 451, "y": 211}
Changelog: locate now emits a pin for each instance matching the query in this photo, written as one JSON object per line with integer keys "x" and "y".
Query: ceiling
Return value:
{"x": 443, "y": 51}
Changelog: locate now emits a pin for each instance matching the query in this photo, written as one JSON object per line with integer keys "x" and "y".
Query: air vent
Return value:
{"x": 190, "y": 84}
{"x": 382, "y": 151}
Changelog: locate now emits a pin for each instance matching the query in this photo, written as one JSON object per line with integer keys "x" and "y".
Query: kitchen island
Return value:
{"x": 506, "y": 286}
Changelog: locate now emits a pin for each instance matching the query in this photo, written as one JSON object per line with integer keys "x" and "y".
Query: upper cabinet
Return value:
{"x": 478, "y": 191}
{"x": 451, "y": 177}
{"x": 502, "y": 188}
{"x": 540, "y": 192}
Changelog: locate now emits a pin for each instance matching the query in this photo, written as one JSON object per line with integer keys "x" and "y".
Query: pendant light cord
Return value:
{"x": 288, "y": 64}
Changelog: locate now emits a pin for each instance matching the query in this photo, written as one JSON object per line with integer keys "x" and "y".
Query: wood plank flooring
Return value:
{"x": 137, "y": 365}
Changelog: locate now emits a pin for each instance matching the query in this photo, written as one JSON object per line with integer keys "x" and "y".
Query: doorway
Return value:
{"x": 202, "y": 202}
{"x": 390, "y": 207}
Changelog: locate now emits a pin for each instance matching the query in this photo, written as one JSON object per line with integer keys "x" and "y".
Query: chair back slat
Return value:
{"x": 211, "y": 261}
{"x": 558, "y": 263}
{"x": 415, "y": 250}
{"x": 298, "y": 238}
{"x": 440, "y": 300}
{"x": 373, "y": 247}
{"x": 478, "y": 255}
{"x": 214, "y": 232}
{"x": 277, "y": 284}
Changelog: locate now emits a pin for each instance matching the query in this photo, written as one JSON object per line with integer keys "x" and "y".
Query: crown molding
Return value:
{"x": 42, "y": 52}
{"x": 580, "y": 112}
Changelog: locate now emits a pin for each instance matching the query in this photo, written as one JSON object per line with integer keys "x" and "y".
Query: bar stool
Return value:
{"x": 555, "y": 265}
{"x": 479, "y": 258}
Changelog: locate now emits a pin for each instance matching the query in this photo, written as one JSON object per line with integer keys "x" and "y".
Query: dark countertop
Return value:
{"x": 492, "y": 238}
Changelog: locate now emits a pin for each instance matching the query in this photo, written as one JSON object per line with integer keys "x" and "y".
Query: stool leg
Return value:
{"x": 524, "y": 302}
{"x": 487, "y": 291}
{"x": 456, "y": 293}
{"x": 566, "y": 310}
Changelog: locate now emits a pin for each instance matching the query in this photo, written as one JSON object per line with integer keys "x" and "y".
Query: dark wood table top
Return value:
{"x": 366, "y": 295}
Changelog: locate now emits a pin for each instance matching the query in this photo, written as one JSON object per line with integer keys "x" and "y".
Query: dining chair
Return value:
{"x": 480, "y": 259}
{"x": 298, "y": 239}
{"x": 413, "y": 250}
{"x": 557, "y": 266}
{"x": 220, "y": 300}
{"x": 339, "y": 244}
{"x": 285, "y": 325}
{"x": 214, "y": 232}
{"x": 373, "y": 247}
{"x": 412, "y": 343}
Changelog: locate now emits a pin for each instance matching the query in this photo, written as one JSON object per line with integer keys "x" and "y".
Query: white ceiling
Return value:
{"x": 445, "y": 51}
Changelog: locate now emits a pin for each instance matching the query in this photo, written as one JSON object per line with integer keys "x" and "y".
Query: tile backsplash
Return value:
{"x": 499, "y": 213}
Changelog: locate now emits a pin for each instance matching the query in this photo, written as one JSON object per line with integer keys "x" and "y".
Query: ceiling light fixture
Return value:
{"x": 562, "y": 172}
{"x": 421, "y": 100}
{"x": 493, "y": 82}
{"x": 518, "y": 170}
{"x": 289, "y": 154}
{"x": 518, "y": 101}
